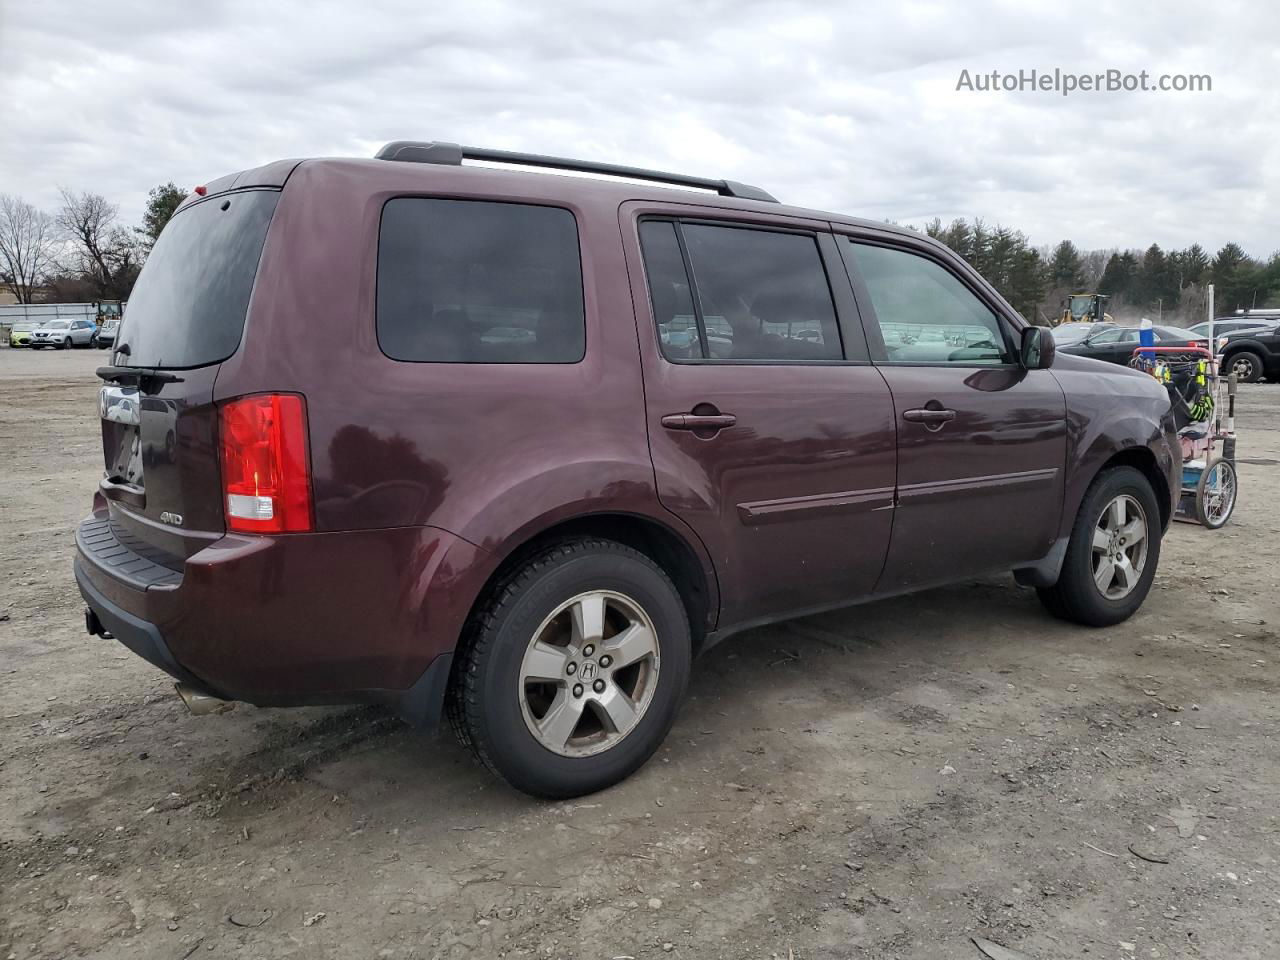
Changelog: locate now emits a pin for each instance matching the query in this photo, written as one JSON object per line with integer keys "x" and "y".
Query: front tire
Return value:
{"x": 571, "y": 671}
{"x": 66, "y": 343}
{"x": 1113, "y": 552}
{"x": 1247, "y": 366}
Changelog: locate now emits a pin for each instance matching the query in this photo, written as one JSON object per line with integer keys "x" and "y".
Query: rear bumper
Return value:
{"x": 326, "y": 618}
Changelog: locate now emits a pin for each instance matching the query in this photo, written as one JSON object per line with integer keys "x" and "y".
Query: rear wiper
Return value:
{"x": 136, "y": 374}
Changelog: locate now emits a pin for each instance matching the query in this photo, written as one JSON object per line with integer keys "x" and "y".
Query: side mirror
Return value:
{"x": 1038, "y": 348}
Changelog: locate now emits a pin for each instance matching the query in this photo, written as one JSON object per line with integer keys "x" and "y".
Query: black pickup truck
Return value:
{"x": 1254, "y": 353}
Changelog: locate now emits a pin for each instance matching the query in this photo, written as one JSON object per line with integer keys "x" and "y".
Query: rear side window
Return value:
{"x": 188, "y": 307}
{"x": 760, "y": 294}
{"x": 470, "y": 281}
{"x": 669, "y": 292}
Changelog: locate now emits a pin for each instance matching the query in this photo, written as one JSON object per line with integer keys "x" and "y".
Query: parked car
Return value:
{"x": 105, "y": 335}
{"x": 1067, "y": 334}
{"x": 1254, "y": 352}
{"x": 63, "y": 334}
{"x": 1116, "y": 344}
{"x": 1226, "y": 325}
{"x": 541, "y": 481}
{"x": 20, "y": 333}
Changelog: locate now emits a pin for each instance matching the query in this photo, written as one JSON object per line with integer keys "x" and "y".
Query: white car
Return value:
{"x": 63, "y": 333}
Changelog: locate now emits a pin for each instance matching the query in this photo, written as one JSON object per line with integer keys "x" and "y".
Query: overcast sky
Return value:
{"x": 843, "y": 106}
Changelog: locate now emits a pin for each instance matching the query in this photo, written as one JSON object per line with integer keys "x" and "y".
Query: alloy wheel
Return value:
{"x": 1119, "y": 547}
{"x": 589, "y": 673}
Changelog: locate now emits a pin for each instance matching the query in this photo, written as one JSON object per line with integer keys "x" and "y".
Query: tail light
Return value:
{"x": 266, "y": 469}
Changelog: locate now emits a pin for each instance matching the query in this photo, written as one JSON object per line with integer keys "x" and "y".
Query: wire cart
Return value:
{"x": 1204, "y": 407}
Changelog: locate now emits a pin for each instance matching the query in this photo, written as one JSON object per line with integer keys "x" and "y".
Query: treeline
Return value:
{"x": 1170, "y": 285}
{"x": 80, "y": 251}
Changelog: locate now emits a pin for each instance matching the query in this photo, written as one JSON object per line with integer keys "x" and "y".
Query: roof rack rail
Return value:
{"x": 435, "y": 151}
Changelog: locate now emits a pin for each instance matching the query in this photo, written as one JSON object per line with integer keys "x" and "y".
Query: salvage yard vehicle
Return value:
{"x": 555, "y": 435}
{"x": 20, "y": 333}
{"x": 1068, "y": 334}
{"x": 63, "y": 334}
{"x": 1115, "y": 344}
{"x": 105, "y": 335}
{"x": 1254, "y": 352}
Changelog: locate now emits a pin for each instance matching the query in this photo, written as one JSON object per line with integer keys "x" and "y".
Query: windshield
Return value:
{"x": 57, "y": 325}
{"x": 189, "y": 304}
{"x": 1075, "y": 332}
{"x": 23, "y": 327}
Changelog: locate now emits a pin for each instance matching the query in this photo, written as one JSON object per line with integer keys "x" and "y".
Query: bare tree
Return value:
{"x": 107, "y": 254}
{"x": 28, "y": 242}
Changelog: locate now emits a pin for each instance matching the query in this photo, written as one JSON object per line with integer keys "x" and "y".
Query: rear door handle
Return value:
{"x": 698, "y": 421}
{"x": 932, "y": 418}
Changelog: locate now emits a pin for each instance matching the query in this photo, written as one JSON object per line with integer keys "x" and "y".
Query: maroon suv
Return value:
{"x": 515, "y": 446}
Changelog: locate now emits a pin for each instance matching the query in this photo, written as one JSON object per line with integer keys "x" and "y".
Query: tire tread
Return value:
{"x": 1071, "y": 597}
{"x": 463, "y": 702}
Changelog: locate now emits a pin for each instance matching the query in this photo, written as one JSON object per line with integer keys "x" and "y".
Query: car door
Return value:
{"x": 1113, "y": 346}
{"x": 981, "y": 440}
{"x": 771, "y": 434}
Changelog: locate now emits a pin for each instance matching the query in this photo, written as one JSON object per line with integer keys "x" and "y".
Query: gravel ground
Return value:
{"x": 886, "y": 781}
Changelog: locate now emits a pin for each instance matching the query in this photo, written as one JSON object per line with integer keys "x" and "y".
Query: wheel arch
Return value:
{"x": 1144, "y": 461}
{"x": 1045, "y": 572}
{"x": 679, "y": 556}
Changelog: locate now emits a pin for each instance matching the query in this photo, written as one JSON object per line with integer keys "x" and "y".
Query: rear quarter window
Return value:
{"x": 472, "y": 281}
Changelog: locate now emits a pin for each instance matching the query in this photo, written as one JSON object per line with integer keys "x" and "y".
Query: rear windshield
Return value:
{"x": 189, "y": 304}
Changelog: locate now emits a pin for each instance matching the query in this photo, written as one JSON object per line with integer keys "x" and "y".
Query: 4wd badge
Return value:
{"x": 173, "y": 519}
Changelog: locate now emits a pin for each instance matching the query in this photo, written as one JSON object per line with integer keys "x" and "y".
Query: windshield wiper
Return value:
{"x": 115, "y": 374}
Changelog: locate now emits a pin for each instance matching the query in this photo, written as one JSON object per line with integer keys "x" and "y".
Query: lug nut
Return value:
{"x": 588, "y": 650}
{"x": 577, "y": 689}
{"x": 571, "y": 669}
{"x": 606, "y": 660}
{"x": 598, "y": 686}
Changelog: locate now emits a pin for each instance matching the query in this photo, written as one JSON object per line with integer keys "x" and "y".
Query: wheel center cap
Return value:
{"x": 588, "y": 670}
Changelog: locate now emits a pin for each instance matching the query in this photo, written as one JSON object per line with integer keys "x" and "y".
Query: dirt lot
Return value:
{"x": 886, "y": 781}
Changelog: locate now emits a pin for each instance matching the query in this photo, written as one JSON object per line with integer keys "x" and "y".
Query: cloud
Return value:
{"x": 850, "y": 107}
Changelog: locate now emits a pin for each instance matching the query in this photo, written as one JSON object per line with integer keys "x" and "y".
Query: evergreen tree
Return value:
{"x": 1117, "y": 278}
{"x": 162, "y": 202}
{"x": 1193, "y": 262}
{"x": 1156, "y": 282}
{"x": 1065, "y": 268}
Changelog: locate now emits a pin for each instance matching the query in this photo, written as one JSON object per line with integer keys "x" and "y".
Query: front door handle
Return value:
{"x": 698, "y": 421}
{"x": 929, "y": 417}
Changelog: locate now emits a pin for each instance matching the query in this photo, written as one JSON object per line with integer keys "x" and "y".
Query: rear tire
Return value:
{"x": 1247, "y": 365}
{"x": 1108, "y": 568}
{"x": 540, "y": 620}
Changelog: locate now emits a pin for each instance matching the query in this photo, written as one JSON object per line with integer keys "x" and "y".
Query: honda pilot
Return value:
{"x": 511, "y": 446}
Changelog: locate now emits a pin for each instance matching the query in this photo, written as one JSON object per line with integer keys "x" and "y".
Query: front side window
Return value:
{"x": 470, "y": 281}
{"x": 1118, "y": 335}
{"x": 926, "y": 315}
{"x": 760, "y": 294}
